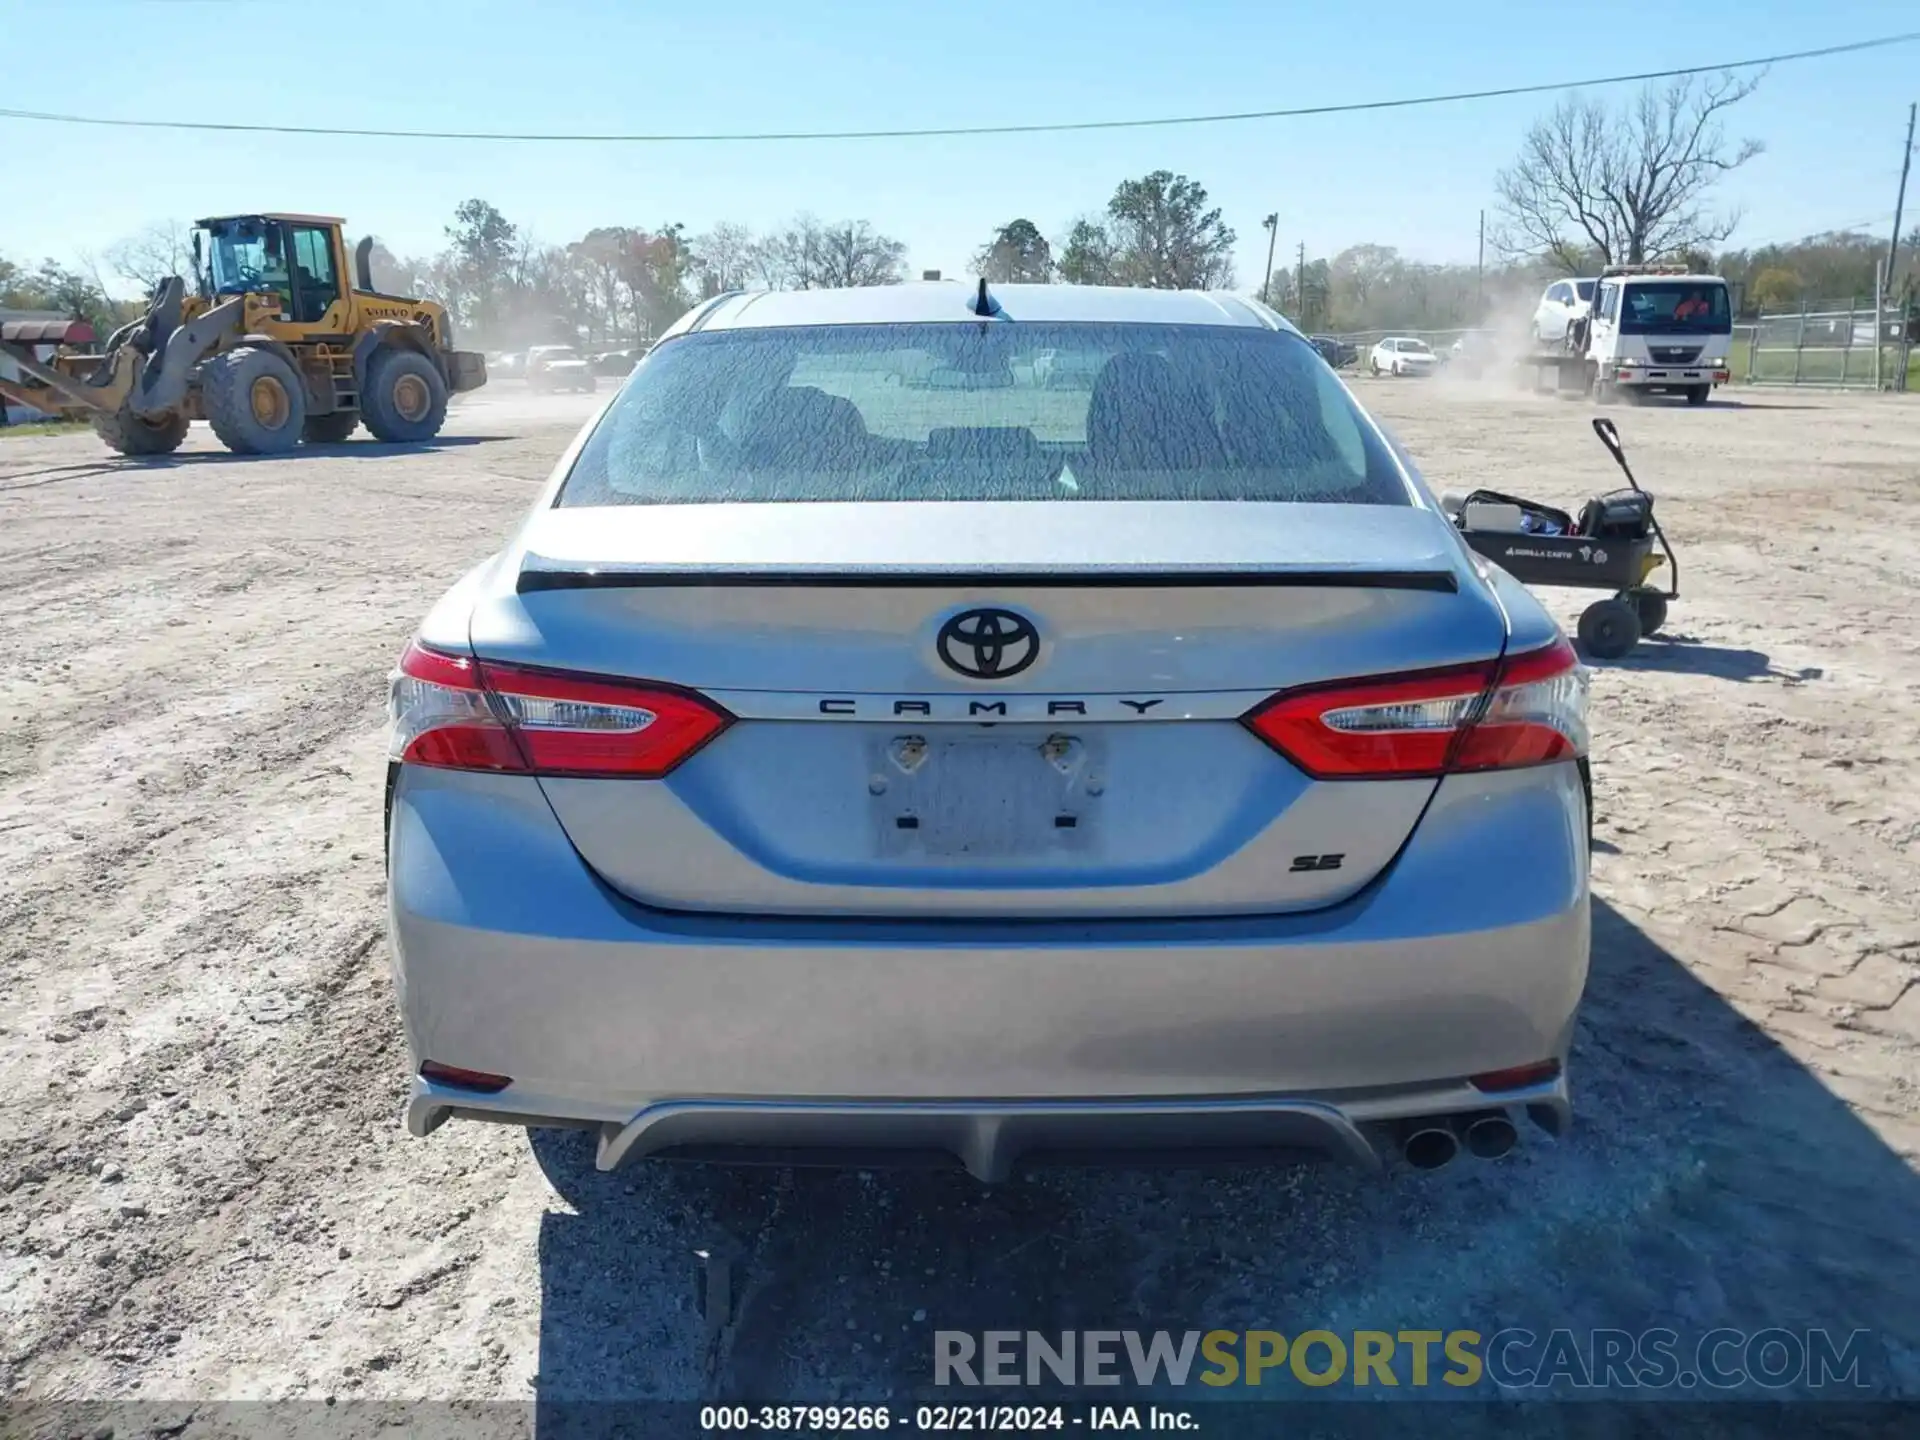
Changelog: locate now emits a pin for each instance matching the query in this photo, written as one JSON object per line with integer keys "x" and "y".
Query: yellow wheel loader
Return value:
{"x": 270, "y": 345}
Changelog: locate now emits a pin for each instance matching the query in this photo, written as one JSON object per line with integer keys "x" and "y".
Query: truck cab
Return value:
{"x": 1664, "y": 332}
{"x": 1644, "y": 329}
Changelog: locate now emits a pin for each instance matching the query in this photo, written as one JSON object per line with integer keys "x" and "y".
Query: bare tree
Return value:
{"x": 1627, "y": 188}
{"x": 793, "y": 255}
{"x": 852, "y": 252}
{"x": 812, "y": 255}
{"x": 724, "y": 257}
{"x": 767, "y": 262}
{"x": 152, "y": 253}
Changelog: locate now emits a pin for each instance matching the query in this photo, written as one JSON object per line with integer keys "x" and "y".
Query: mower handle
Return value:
{"x": 1610, "y": 437}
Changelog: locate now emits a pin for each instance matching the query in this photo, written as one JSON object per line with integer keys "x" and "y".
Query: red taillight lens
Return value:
{"x": 1516, "y": 1078}
{"x": 1527, "y": 710}
{"x": 461, "y": 714}
{"x": 441, "y": 716}
{"x": 1537, "y": 713}
{"x": 485, "y": 1081}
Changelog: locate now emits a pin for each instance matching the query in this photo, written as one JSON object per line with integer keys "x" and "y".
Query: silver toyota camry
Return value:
{"x": 989, "y": 722}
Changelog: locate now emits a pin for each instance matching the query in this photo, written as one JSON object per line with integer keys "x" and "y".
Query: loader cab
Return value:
{"x": 299, "y": 258}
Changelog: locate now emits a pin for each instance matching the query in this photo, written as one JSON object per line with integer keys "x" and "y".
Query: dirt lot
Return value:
{"x": 205, "y": 1191}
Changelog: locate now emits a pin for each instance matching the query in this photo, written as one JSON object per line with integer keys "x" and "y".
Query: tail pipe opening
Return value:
{"x": 1487, "y": 1135}
{"x": 1428, "y": 1144}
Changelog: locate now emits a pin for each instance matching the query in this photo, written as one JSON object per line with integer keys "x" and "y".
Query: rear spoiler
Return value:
{"x": 536, "y": 576}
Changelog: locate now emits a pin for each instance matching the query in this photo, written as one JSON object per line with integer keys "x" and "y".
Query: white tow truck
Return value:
{"x": 1647, "y": 330}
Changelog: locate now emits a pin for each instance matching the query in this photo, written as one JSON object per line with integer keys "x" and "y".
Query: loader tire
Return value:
{"x": 254, "y": 401}
{"x": 406, "y": 397}
{"x": 330, "y": 429}
{"x": 131, "y": 435}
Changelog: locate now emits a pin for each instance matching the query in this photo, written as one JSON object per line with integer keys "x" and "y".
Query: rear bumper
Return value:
{"x": 985, "y": 1039}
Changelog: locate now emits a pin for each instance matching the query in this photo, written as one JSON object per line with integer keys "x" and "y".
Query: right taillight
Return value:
{"x": 1536, "y": 713}
{"x": 1527, "y": 709}
{"x": 456, "y": 713}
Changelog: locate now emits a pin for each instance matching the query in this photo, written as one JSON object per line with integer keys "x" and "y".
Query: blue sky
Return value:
{"x": 1415, "y": 179}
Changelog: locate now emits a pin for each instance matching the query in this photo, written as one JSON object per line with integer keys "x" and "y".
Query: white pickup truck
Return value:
{"x": 1647, "y": 330}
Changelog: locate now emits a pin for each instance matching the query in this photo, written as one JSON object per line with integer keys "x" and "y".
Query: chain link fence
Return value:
{"x": 1839, "y": 343}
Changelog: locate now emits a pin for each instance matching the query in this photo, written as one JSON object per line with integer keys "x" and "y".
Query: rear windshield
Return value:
{"x": 1674, "y": 306}
{"x": 993, "y": 411}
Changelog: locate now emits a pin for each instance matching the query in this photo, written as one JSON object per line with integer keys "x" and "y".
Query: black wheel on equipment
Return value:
{"x": 131, "y": 435}
{"x": 1697, "y": 394}
{"x": 330, "y": 429}
{"x": 406, "y": 398}
{"x": 1609, "y": 629}
{"x": 254, "y": 401}
{"x": 1650, "y": 606}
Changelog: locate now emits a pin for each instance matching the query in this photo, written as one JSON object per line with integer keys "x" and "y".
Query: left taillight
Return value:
{"x": 1527, "y": 709}
{"x": 457, "y": 713}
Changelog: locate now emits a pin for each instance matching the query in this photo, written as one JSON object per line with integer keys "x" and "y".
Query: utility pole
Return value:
{"x": 1480, "y": 272}
{"x": 1900, "y": 204}
{"x": 1272, "y": 222}
{"x": 1300, "y": 280}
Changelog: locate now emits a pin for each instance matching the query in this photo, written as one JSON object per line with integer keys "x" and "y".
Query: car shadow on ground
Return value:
{"x": 1680, "y": 652}
{"x": 1710, "y": 1181}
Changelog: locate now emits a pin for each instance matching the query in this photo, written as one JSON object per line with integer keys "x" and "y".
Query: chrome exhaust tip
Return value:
{"x": 1488, "y": 1136}
{"x": 1427, "y": 1144}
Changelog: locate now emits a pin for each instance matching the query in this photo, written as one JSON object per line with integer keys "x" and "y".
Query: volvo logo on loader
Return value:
{"x": 988, "y": 644}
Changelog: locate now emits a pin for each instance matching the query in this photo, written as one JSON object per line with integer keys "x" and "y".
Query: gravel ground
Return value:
{"x": 205, "y": 1192}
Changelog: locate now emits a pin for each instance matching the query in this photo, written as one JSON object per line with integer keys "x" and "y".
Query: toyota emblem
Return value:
{"x": 988, "y": 644}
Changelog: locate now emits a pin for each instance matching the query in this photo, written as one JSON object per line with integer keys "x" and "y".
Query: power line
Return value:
{"x": 1865, "y": 222}
{"x": 936, "y": 132}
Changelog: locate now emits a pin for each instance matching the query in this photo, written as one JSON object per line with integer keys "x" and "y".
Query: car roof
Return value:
{"x": 932, "y": 301}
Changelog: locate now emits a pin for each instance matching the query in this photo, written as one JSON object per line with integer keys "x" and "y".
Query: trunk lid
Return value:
{"x": 1096, "y": 768}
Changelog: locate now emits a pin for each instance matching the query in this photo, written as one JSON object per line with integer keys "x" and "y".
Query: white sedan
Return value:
{"x": 1400, "y": 356}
